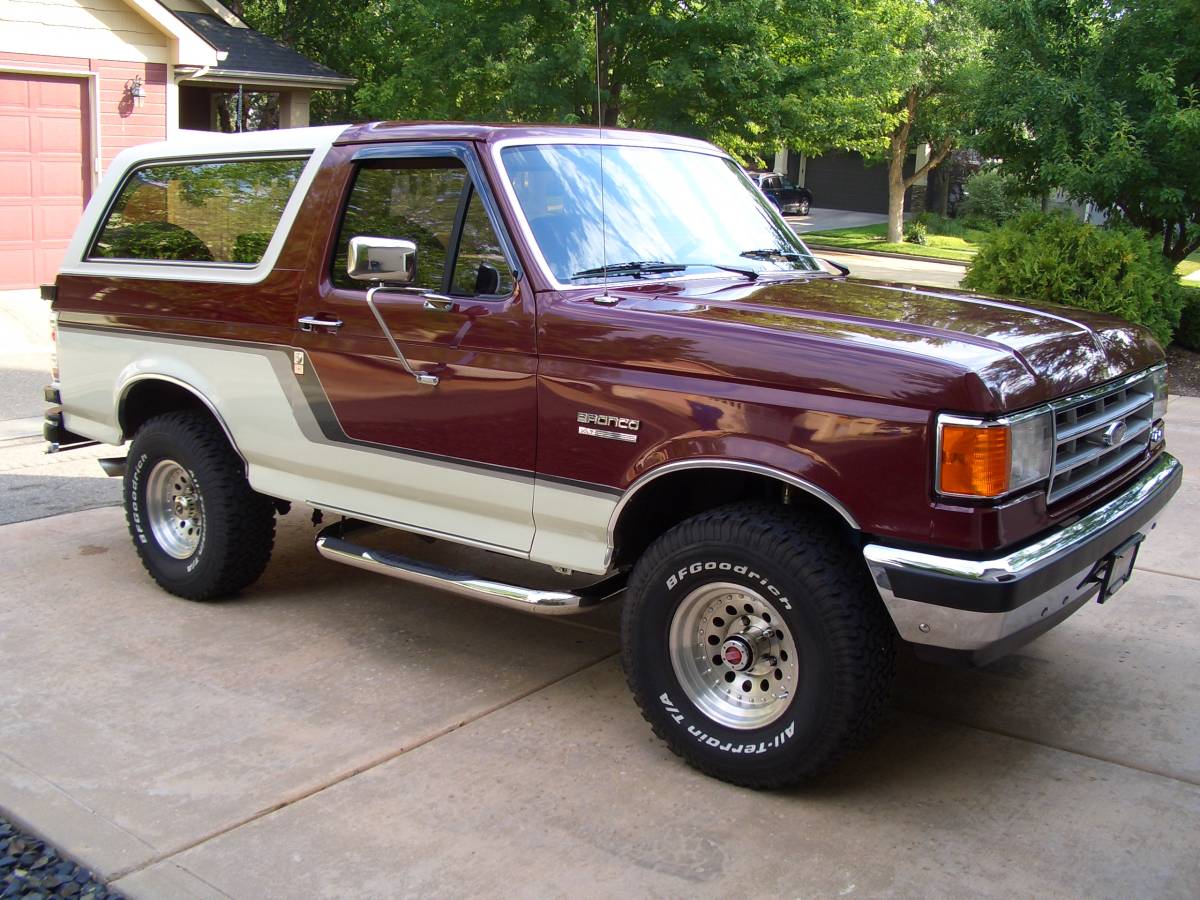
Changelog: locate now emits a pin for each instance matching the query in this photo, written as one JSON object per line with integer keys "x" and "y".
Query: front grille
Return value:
{"x": 1099, "y": 432}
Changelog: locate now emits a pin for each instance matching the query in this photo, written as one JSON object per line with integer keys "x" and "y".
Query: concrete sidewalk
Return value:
{"x": 336, "y": 734}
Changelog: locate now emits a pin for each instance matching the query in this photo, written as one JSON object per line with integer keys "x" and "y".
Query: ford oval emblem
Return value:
{"x": 1114, "y": 434}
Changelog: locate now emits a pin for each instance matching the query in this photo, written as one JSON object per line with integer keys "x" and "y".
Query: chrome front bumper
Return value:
{"x": 982, "y": 609}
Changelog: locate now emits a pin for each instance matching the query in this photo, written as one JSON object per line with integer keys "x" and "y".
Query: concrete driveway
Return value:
{"x": 822, "y": 219}
{"x": 335, "y": 734}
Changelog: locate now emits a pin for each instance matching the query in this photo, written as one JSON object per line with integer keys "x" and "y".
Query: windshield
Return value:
{"x": 664, "y": 206}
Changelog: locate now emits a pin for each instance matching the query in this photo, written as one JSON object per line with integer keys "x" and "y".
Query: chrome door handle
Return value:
{"x": 308, "y": 323}
{"x": 438, "y": 302}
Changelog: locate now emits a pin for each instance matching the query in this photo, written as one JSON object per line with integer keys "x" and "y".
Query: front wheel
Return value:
{"x": 805, "y": 205}
{"x": 755, "y": 646}
{"x": 199, "y": 529}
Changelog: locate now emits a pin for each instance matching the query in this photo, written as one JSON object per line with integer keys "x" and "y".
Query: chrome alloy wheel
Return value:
{"x": 174, "y": 509}
{"x": 733, "y": 655}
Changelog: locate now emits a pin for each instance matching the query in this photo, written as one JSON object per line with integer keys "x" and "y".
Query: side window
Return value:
{"x": 217, "y": 212}
{"x": 481, "y": 268}
{"x": 421, "y": 200}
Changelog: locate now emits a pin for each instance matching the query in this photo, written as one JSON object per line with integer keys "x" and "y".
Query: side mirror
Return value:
{"x": 382, "y": 259}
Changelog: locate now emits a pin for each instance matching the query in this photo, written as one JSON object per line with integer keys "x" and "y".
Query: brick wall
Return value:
{"x": 122, "y": 124}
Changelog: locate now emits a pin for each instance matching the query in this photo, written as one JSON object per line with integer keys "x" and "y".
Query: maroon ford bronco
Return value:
{"x": 606, "y": 355}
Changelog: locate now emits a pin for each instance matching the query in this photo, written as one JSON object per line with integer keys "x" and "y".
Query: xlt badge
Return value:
{"x": 627, "y": 427}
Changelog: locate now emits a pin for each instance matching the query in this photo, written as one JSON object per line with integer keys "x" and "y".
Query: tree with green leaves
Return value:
{"x": 881, "y": 78}
{"x": 746, "y": 74}
{"x": 931, "y": 49}
{"x": 1100, "y": 98}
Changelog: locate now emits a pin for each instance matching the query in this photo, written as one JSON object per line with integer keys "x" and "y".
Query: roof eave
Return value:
{"x": 274, "y": 79}
{"x": 188, "y": 48}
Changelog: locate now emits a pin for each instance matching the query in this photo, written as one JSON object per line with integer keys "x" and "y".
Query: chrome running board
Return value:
{"x": 543, "y": 602}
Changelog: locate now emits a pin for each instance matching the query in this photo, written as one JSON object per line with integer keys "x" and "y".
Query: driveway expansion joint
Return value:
{"x": 346, "y": 776}
{"x": 1073, "y": 751}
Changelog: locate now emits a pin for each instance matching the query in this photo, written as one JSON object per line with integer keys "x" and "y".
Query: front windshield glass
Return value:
{"x": 684, "y": 209}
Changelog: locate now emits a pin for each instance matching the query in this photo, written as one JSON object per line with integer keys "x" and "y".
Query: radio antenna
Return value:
{"x": 600, "y": 128}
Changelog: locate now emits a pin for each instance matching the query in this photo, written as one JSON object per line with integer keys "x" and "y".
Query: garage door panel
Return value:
{"x": 58, "y": 135}
{"x": 58, "y": 222}
{"x": 14, "y": 92}
{"x": 55, "y": 93}
{"x": 15, "y": 134}
{"x": 60, "y": 180}
{"x": 16, "y": 222}
{"x": 16, "y": 179}
{"x": 18, "y": 266}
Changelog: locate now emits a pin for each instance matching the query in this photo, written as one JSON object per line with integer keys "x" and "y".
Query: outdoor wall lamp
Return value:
{"x": 135, "y": 91}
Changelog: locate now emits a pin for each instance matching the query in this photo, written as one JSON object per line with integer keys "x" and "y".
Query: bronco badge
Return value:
{"x": 627, "y": 428}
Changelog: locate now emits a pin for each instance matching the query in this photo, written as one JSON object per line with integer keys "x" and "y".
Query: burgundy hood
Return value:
{"x": 1022, "y": 354}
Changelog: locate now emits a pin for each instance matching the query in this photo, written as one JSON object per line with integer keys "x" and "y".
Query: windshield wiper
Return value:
{"x": 770, "y": 254}
{"x": 635, "y": 268}
{"x": 639, "y": 268}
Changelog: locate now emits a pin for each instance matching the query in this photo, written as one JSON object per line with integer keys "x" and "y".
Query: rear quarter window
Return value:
{"x": 218, "y": 211}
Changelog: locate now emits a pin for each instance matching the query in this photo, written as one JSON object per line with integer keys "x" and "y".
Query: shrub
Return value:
{"x": 1055, "y": 258}
{"x": 941, "y": 224}
{"x": 916, "y": 233}
{"x": 993, "y": 197}
{"x": 1188, "y": 334}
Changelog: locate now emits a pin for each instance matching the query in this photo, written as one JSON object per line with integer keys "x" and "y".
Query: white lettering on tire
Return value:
{"x": 696, "y": 568}
{"x": 134, "y": 504}
{"x": 703, "y": 737}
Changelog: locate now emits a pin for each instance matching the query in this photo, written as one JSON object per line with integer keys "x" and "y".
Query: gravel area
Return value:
{"x": 30, "y": 869}
{"x": 1184, "y": 368}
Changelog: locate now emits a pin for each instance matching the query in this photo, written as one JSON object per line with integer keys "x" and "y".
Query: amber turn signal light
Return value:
{"x": 974, "y": 460}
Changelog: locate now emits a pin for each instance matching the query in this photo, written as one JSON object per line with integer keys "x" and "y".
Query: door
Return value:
{"x": 464, "y": 431}
{"x": 44, "y": 173}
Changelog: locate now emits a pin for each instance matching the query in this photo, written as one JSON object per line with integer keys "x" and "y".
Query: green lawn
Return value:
{"x": 959, "y": 247}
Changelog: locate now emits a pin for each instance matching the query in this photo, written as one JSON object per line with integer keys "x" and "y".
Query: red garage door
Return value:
{"x": 43, "y": 173}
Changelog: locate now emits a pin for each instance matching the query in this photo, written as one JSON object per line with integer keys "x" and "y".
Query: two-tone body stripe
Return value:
{"x": 288, "y": 432}
{"x": 312, "y": 408}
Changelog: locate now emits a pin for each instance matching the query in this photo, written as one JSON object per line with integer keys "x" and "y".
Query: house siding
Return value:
{"x": 95, "y": 29}
{"x": 122, "y": 124}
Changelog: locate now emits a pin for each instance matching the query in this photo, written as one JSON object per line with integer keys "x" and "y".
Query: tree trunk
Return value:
{"x": 895, "y": 229}
{"x": 612, "y": 109}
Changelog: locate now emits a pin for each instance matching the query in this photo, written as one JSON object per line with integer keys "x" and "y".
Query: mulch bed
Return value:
{"x": 1183, "y": 367}
{"x": 29, "y": 869}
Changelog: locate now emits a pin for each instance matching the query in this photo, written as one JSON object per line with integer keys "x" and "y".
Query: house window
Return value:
{"x": 223, "y": 211}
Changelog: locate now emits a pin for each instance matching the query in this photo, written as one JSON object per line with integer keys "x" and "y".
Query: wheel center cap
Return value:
{"x": 737, "y": 653}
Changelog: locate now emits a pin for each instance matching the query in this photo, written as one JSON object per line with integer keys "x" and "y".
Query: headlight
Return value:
{"x": 1159, "y": 379}
{"x": 987, "y": 459}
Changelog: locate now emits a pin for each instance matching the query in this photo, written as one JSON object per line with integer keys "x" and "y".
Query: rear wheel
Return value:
{"x": 756, "y": 646}
{"x": 200, "y": 530}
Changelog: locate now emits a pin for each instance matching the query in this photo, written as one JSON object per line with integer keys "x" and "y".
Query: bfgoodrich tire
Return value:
{"x": 755, "y": 645}
{"x": 200, "y": 530}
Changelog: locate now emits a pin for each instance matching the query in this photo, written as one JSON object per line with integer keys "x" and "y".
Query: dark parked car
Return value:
{"x": 789, "y": 199}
